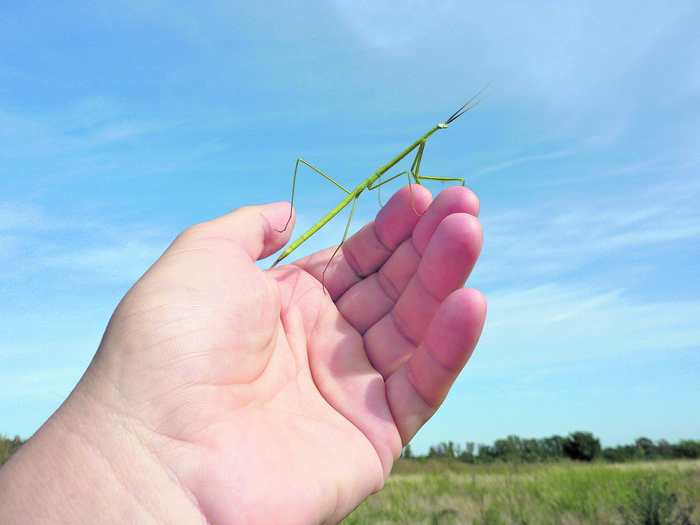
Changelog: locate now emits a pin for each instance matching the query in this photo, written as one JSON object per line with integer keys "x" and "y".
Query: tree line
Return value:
{"x": 579, "y": 446}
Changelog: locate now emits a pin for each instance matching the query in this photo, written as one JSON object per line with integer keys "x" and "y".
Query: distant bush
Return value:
{"x": 8, "y": 447}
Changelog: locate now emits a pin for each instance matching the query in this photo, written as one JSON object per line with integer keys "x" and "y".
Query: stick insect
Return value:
{"x": 369, "y": 183}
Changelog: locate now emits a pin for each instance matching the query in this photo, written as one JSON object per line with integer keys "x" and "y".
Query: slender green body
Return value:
{"x": 369, "y": 182}
{"x": 356, "y": 193}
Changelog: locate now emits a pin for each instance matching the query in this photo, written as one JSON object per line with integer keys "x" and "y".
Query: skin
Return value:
{"x": 222, "y": 393}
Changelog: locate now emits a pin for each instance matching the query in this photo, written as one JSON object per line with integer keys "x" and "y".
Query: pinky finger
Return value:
{"x": 417, "y": 389}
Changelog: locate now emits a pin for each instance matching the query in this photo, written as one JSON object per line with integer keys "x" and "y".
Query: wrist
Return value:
{"x": 90, "y": 464}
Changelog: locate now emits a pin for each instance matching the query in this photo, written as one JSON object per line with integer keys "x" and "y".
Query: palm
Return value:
{"x": 302, "y": 395}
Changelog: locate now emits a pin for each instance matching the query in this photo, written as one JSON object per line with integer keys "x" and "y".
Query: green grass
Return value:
{"x": 437, "y": 492}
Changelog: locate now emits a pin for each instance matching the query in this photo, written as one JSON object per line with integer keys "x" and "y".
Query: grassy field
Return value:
{"x": 434, "y": 492}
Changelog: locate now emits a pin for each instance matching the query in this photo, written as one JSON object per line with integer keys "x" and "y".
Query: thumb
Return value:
{"x": 256, "y": 229}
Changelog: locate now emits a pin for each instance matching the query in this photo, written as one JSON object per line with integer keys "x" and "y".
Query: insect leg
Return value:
{"x": 345, "y": 235}
{"x": 294, "y": 183}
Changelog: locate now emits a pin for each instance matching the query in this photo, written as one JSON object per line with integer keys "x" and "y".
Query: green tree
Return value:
{"x": 664, "y": 448}
{"x": 509, "y": 448}
{"x": 448, "y": 450}
{"x": 467, "y": 455}
{"x": 582, "y": 446}
{"x": 645, "y": 448}
{"x": 485, "y": 453}
{"x": 687, "y": 448}
{"x": 531, "y": 450}
{"x": 616, "y": 454}
{"x": 552, "y": 447}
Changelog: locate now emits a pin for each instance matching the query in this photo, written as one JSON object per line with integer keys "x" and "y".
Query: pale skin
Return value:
{"x": 222, "y": 393}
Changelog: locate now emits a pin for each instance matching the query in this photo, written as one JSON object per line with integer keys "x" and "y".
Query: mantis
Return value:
{"x": 369, "y": 182}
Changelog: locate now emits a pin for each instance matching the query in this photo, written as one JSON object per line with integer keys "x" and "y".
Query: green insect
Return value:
{"x": 369, "y": 182}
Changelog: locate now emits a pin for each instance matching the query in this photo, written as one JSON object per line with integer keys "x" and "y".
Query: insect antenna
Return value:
{"x": 461, "y": 111}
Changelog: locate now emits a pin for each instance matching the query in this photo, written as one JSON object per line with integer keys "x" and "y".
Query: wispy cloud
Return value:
{"x": 561, "y": 236}
{"x": 576, "y": 61}
{"x": 89, "y": 123}
{"x": 517, "y": 160}
{"x": 558, "y": 322}
{"x": 86, "y": 251}
{"x": 575, "y": 279}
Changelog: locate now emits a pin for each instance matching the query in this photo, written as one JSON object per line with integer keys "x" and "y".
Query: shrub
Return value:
{"x": 652, "y": 503}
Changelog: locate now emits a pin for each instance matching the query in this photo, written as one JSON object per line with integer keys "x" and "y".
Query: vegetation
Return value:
{"x": 555, "y": 480}
{"x": 433, "y": 492}
{"x": 8, "y": 447}
{"x": 579, "y": 446}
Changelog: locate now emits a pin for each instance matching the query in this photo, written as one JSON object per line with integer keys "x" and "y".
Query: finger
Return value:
{"x": 365, "y": 303}
{"x": 418, "y": 388}
{"x": 444, "y": 267}
{"x": 365, "y": 252}
{"x": 455, "y": 199}
{"x": 253, "y": 228}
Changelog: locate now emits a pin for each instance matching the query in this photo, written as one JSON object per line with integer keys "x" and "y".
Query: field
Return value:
{"x": 438, "y": 492}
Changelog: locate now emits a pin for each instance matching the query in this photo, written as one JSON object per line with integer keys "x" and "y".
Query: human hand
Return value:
{"x": 258, "y": 397}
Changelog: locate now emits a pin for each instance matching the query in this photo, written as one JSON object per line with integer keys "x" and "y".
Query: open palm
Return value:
{"x": 273, "y": 400}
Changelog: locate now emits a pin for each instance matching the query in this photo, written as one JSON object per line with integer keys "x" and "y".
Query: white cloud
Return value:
{"x": 559, "y": 323}
{"x": 582, "y": 279}
{"x": 84, "y": 249}
{"x": 565, "y": 235}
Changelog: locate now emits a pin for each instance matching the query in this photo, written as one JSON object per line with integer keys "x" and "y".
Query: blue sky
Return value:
{"x": 122, "y": 124}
